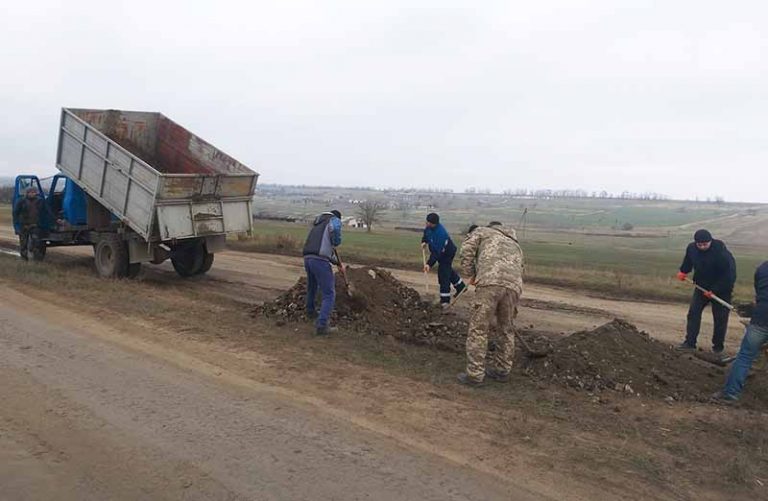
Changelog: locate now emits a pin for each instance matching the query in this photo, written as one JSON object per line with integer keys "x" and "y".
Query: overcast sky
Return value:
{"x": 664, "y": 96}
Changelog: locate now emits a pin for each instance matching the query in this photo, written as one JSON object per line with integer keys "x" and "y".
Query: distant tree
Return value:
{"x": 404, "y": 205}
{"x": 369, "y": 212}
{"x": 6, "y": 194}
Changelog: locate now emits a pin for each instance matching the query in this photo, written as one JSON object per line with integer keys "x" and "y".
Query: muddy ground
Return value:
{"x": 614, "y": 357}
{"x": 558, "y": 438}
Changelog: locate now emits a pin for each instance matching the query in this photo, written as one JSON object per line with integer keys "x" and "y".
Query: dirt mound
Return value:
{"x": 617, "y": 356}
{"x": 380, "y": 305}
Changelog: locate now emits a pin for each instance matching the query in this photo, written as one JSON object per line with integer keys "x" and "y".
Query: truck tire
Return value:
{"x": 133, "y": 270}
{"x": 187, "y": 259}
{"x": 111, "y": 257}
{"x": 207, "y": 263}
{"x": 38, "y": 252}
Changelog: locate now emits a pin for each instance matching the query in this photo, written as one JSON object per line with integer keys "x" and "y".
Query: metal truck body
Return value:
{"x": 148, "y": 183}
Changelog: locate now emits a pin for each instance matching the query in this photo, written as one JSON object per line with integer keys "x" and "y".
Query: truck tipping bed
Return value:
{"x": 161, "y": 180}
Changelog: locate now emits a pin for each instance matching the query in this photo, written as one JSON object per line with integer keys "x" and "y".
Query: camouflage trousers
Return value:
{"x": 491, "y": 305}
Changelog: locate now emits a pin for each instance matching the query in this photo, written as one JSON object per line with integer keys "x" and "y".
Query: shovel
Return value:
{"x": 426, "y": 275}
{"x": 531, "y": 353}
{"x": 714, "y": 298}
{"x": 343, "y": 271}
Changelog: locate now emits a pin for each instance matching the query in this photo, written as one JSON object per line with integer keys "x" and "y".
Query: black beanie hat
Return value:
{"x": 336, "y": 213}
{"x": 433, "y": 218}
{"x": 702, "y": 236}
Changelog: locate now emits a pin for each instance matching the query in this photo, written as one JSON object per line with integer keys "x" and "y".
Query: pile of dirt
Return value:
{"x": 617, "y": 356}
{"x": 380, "y": 305}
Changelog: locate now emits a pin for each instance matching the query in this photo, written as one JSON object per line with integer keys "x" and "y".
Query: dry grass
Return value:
{"x": 281, "y": 243}
{"x": 5, "y": 215}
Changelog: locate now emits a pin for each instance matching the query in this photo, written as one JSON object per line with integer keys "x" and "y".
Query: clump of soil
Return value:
{"x": 617, "y": 356}
{"x": 380, "y": 305}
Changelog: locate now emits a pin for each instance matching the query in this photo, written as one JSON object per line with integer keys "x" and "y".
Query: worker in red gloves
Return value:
{"x": 714, "y": 270}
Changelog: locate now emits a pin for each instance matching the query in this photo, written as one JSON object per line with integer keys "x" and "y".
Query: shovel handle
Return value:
{"x": 714, "y": 297}
{"x": 424, "y": 262}
{"x": 341, "y": 267}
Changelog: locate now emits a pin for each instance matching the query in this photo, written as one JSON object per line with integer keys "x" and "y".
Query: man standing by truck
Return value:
{"x": 714, "y": 270}
{"x": 442, "y": 250}
{"x": 28, "y": 213}
{"x": 319, "y": 253}
{"x": 494, "y": 260}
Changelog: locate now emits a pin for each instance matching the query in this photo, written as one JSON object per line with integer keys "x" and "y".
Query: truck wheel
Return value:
{"x": 188, "y": 259}
{"x": 38, "y": 252}
{"x": 111, "y": 256}
{"x": 133, "y": 270}
{"x": 207, "y": 263}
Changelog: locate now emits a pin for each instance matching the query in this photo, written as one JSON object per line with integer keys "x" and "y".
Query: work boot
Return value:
{"x": 685, "y": 347}
{"x": 464, "y": 379}
{"x": 497, "y": 376}
{"x": 324, "y": 331}
{"x": 719, "y": 355}
{"x": 722, "y": 397}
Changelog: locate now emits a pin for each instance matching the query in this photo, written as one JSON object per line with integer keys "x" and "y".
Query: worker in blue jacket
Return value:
{"x": 442, "y": 250}
{"x": 319, "y": 256}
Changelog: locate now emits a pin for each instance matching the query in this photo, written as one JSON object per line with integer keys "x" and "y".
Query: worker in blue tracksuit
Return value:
{"x": 319, "y": 255}
{"x": 442, "y": 250}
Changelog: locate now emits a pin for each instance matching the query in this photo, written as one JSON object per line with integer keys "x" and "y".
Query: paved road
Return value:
{"x": 85, "y": 418}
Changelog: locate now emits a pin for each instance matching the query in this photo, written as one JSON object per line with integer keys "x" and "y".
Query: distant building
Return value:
{"x": 352, "y": 222}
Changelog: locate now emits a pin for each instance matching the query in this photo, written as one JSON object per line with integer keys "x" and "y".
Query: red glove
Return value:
{"x": 681, "y": 276}
{"x": 708, "y": 294}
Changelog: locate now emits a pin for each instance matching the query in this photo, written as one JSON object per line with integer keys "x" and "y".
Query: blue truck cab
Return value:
{"x": 66, "y": 203}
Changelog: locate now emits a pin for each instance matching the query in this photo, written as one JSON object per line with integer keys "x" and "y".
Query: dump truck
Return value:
{"x": 139, "y": 188}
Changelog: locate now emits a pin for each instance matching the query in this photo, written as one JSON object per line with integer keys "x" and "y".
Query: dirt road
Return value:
{"x": 253, "y": 277}
{"x": 91, "y": 414}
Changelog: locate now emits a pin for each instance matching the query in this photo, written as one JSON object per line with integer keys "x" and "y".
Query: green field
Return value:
{"x": 616, "y": 266}
{"x": 572, "y": 243}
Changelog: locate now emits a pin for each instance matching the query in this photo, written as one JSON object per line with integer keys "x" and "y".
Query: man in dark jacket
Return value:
{"x": 755, "y": 338}
{"x": 28, "y": 213}
{"x": 319, "y": 254}
{"x": 714, "y": 270}
{"x": 442, "y": 250}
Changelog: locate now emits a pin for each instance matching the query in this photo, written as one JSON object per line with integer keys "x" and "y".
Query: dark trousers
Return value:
{"x": 320, "y": 276}
{"x": 445, "y": 277}
{"x": 25, "y": 233}
{"x": 719, "y": 315}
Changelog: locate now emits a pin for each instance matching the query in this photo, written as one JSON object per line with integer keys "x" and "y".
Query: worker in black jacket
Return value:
{"x": 714, "y": 270}
{"x": 28, "y": 213}
{"x": 755, "y": 339}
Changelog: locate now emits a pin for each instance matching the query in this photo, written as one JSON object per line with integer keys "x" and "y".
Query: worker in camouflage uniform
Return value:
{"x": 493, "y": 258}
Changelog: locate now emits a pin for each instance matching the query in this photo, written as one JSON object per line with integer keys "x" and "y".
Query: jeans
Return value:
{"x": 320, "y": 276}
{"x": 719, "y": 315}
{"x": 755, "y": 337}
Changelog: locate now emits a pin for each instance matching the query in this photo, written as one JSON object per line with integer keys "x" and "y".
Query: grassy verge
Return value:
{"x": 612, "y": 266}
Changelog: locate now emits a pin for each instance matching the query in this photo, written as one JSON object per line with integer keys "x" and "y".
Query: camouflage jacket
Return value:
{"x": 493, "y": 257}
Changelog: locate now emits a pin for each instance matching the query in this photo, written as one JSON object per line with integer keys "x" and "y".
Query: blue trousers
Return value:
{"x": 445, "y": 277}
{"x": 320, "y": 276}
{"x": 755, "y": 337}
